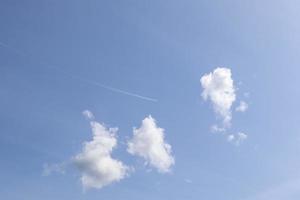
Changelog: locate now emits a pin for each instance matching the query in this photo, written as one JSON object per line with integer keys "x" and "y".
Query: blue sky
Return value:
{"x": 54, "y": 55}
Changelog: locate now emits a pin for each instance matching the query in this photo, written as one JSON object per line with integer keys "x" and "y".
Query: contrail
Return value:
{"x": 123, "y": 92}
{"x": 53, "y": 67}
{"x": 113, "y": 89}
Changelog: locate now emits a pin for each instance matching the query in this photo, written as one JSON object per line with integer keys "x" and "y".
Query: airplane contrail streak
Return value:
{"x": 125, "y": 92}
{"x": 53, "y": 67}
{"x": 113, "y": 89}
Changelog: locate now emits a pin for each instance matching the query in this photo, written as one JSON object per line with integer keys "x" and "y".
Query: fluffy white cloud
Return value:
{"x": 218, "y": 87}
{"x": 148, "y": 143}
{"x": 237, "y": 139}
{"x": 88, "y": 114}
{"x": 242, "y": 107}
{"x": 95, "y": 162}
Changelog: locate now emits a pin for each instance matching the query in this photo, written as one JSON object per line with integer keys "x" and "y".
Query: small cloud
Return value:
{"x": 242, "y": 107}
{"x": 95, "y": 162}
{"x": 48, "y": 169}
{"x": 88, "y": 114}
{"x": 148, "y": 143}
{"x": 218, "y": 87}
{"x": 230, "y": 138}
{"x": 215, "y": 128}
{"x": 237, "y": 139}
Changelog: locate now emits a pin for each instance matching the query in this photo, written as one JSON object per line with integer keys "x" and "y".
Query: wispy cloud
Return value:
{"x": 48, "y": 169}
{"x": 242, "y": 107}
{"x": 88, "y": 114}
{"x": 237, "y": 139}
{"x": 216, "y": 128}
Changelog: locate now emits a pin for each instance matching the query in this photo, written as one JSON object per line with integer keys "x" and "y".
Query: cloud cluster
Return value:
{"x": 148, "y": 142}
{"x": 95, "y": 162}
{"x": 219, "y": 89}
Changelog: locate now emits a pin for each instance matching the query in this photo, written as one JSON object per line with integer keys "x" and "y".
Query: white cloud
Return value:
{"x": 88, "y": 114}
{"x": 95, "y": 162}
{"x": 242, "y": 107}
{"x": 219, "y": 88}
{"x": 148, "y": 143}
{"x": 230, "y": 137}
{"x": 215, "y": 128}
{"x": 237, "y": 139}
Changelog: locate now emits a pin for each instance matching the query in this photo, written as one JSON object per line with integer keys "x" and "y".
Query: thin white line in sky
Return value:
{"x": 124, "y": 92}
{"x": 113, "y": 89}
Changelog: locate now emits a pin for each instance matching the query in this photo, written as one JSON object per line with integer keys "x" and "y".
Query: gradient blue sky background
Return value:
{"x": 158, "y": 49}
